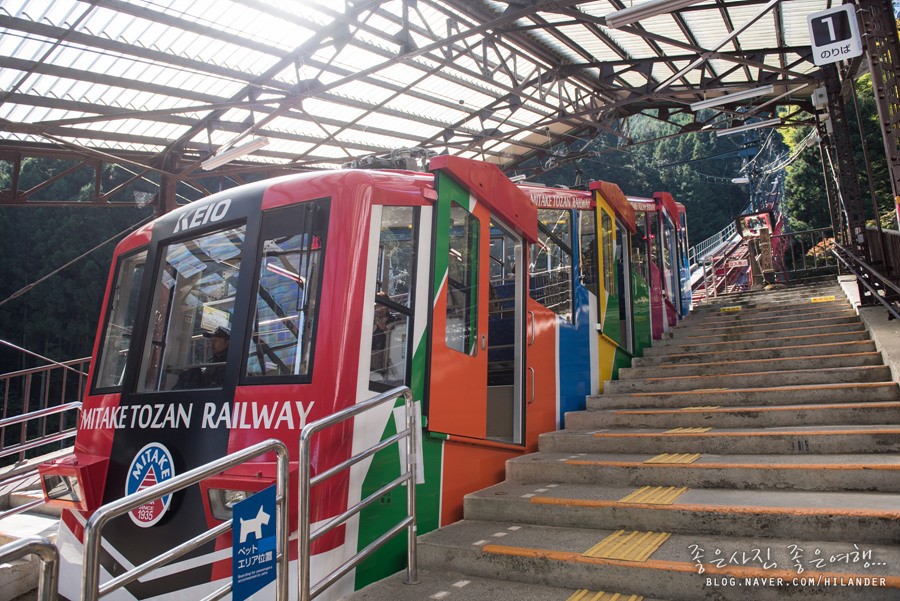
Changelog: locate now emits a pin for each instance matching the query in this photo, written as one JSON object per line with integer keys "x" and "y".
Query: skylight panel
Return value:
{"x": 409, "y": 126}
{"x": 428, "y": 110}
{"x": 332, "y": 109}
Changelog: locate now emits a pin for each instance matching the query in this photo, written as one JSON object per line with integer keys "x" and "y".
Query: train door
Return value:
{"x": 684, "y": 267}
{"x": 476, "y": 357}
{"x": 615, "y": 291}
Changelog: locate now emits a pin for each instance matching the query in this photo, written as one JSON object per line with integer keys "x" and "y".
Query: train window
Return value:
{"x": 394, "y": 283}
{"x": 588, "y": 250}
{"x": 623, "y": 287}
{"x": 462, "y": 281}
{"x": 120, "y": 321}
{"x": 190, "y": 314}
{"x": 655, "y": 239}
{"x": 639, "y": 260}
{"x": 608, "y": 235}
{"x": 551, "y": 262}
{"x": 287, "y": 293}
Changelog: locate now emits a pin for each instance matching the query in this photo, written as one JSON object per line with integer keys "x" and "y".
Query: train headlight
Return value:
{"x": 62, "y": 488}
{"x": 74, "y": 482}
{"x": 222, "y": 501}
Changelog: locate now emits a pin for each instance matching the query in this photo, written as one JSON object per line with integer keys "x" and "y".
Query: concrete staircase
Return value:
{"x": 754, "y": 455}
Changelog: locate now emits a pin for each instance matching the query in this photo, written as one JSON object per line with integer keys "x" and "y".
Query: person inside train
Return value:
{"x": 219, "y": 340}
{"x": 211, "y": 375}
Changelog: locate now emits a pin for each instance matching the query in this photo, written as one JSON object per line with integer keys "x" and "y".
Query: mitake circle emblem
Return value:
{"x": 151, "y": 465}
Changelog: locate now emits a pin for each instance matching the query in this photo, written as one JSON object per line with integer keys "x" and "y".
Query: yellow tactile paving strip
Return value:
{"x": 722, "y": 509}
{"x": 586, "y": 595}
{"x": 628, "y": 546}
{"x": 654, "y": 495}
{"x": 674, "y": 458}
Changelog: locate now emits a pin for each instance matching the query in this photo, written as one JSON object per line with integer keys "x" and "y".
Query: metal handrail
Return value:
{"x": 709, "y": 246}
{"x": 46, "y": 439}
{"x": 39, "y": 388}
{"x": 46, "y": 551}
{"x": 90, "y": 585}
{"x": 854, "y": 269}
{"x": 305, "y": 483}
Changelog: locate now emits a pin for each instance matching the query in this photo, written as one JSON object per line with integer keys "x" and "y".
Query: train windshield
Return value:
{"x": 190, "y": 314}
{"x": 287, "y": 293}
{"x": 119, "y": 323}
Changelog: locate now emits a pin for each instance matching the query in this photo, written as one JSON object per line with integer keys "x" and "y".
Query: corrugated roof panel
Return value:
{"x": 333, "y": 110}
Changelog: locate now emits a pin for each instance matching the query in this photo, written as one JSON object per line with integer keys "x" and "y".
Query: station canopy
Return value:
{"x": 309, "y": 84}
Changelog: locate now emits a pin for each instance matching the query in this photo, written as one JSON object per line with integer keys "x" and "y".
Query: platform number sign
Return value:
{"x": 834, "y": 35}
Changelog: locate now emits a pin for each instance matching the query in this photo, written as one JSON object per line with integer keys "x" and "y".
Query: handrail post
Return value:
{"x": 305, "y": 536}
{"x": 412, "y": 576}
{"x": 303, "y": 477}
{"x": 46, "y": 551}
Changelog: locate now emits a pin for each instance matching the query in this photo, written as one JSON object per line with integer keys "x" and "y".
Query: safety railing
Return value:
{"x": 880, "y": 288}
{"x": 803, "y": 254}
{"x": 91, "y": 587}
{"x": 24, "y": 473}
{"x": 46, "y": 552}
{"x": 33, "y": 392}
{"x": 708, "y": 247}
{"x": 710, "y": 280}
{"x": 305, "y": 538}
{"x": 884, "y": 246}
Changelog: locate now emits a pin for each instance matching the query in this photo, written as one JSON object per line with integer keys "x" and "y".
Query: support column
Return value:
{"x": 879, "y": 28}
{"x": 845, "y": 165}
{"x": 166, "y": 200}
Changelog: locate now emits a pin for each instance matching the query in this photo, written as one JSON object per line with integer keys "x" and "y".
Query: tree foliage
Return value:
{"x": 696, "y": 168}
{"x": 57, "y": 317}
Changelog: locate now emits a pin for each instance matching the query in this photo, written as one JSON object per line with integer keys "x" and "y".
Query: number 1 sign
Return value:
{"x": 834, "y": 35}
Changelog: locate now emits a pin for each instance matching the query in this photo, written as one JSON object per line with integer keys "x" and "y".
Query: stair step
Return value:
{"x": 804, "y": 291}
{"x": 753, "y": 365}
{"x": 762, "y": 333}
{"x": 815, "y": 472}
{"x": 777, "y": 395}
{"x": 559, "y": 556}
{"x": 787, "y": 441}
{"x": 874, "y": 373}
{"x": 803, "y": 350}
{"x": 727, "y": 319}
{"x": 738, "y": 417}
{"x": 774, "y": 342}
{"x": 861, "y": 517}
{"x": 771, "y": 308}
{"x": 690, "y": 327}
{"x": 438, "y": 583}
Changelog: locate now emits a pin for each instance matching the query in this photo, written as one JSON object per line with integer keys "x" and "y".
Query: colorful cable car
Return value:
{"x": 243, "y": 316}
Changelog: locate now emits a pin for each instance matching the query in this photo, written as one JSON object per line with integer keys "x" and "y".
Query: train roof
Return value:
{"x": 613, "y": 195}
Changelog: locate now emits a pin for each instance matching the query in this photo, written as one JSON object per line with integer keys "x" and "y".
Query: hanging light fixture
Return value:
{"x": 748, "y": 127}
{"x": 645, "y": 10}
{"x": 735, "y": 97}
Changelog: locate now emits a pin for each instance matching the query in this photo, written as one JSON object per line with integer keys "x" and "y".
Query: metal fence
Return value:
{"x": 305, "y": 538}
{"x": 708, "y": 247}
{"x": 37, "y": 392}
{"x": 91, "y": 589}
{"x": 885, "y": 251}
{"x": 803, "y": 254}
